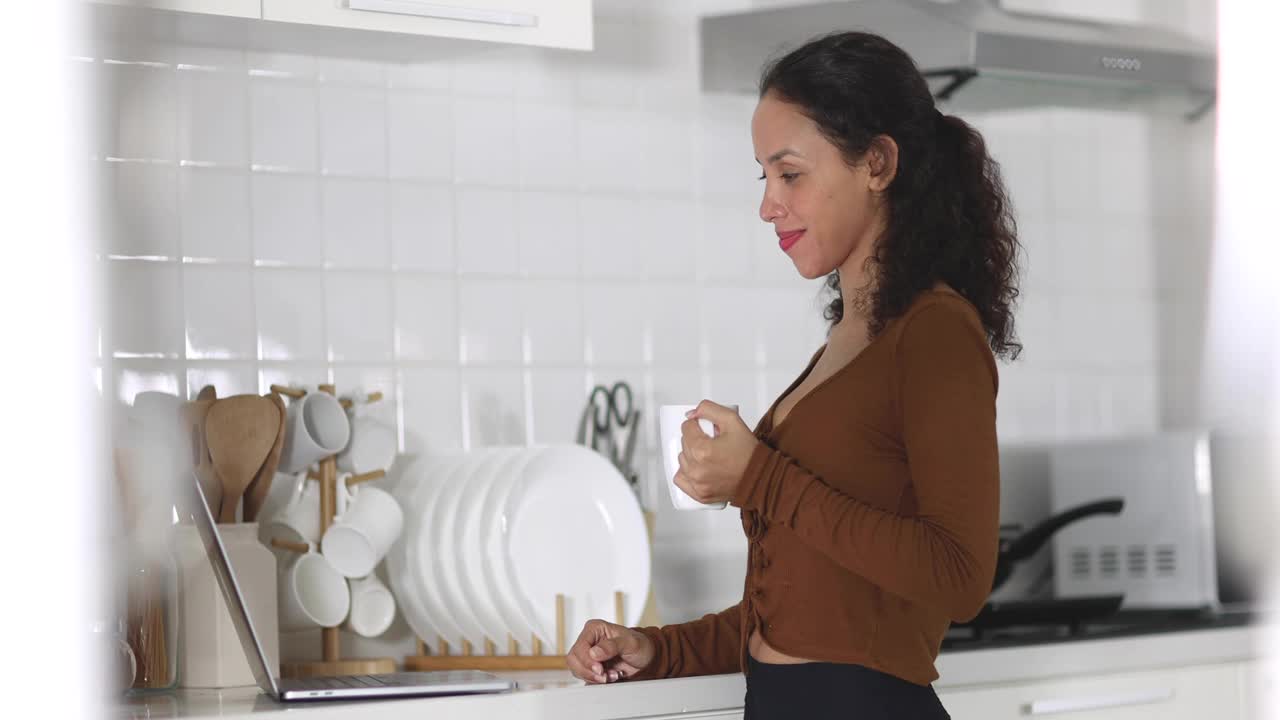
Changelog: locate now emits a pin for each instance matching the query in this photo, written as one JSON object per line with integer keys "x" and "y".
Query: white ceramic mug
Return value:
{"x": 670, "y": 418}
{"x": 373, "y": 446}
{"x": 360, "y": 537}
{"x": 317, "y": 428}
{"x": 299, "y": 520}
{"x": 312, "y": 593}
{"x": 373, "y": 607}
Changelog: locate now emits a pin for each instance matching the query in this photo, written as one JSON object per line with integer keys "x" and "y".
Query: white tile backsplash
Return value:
{"x": 284, "y": 124}
{"x": 145, "y": 317}
{"x": 674, "y": 329}
{"x": 552, "y": 315}
{"x": 613, "y": 236}
{"x": 484, "y": 235}
{"x": 489, "y": 322}
{"x": 214, "y": 214}
{"x": 353, "y": 131}
{"x": 290, "y": 312}
{"x": 549, "y": 226}
{"x": 213, "y": 120}
{"x": 494, "y": 402}
{"x": 146, "y": 210}
{"x": 615, "y": 323}
{"x": 488, "y": 243}
{"x": 731, "y": 344}
{"x": 426, "y": 318}
{"x": 227, "y": 378}
{"x": 351, "y": 73}
{"x": 420, "y": 136}
{"x": 218, "y": 301}
{"x": 484, "y": 141}
{"x": 606, "y": 161}
{"x": 286, "y": 219}
{"x": 131, "y": 378}
{"x": 668, "y": 238}
{"x": 554, "y": 420}
{"x": 146, "y": 123}
{"x": 359, "y": 314}
{"x": 422, "y": 227}
{"x": 431, "y": 403}
{"x": 354, "y": 219}
{"x": 546, "y": 135}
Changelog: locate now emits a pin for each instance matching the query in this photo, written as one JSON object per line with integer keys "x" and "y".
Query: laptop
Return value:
{"x": 349, "y": 687}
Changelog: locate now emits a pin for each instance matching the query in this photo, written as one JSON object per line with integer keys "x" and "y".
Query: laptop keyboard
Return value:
{"x": 346, "y": 681}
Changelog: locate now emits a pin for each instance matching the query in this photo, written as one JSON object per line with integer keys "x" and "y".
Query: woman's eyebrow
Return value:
{"x": 781, "y": 154}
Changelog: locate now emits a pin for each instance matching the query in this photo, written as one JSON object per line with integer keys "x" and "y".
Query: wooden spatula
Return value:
{"x": 256, "y": 494}
{"x": 240, "y": 431}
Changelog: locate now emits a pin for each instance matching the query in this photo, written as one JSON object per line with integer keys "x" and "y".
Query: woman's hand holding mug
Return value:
{"x": 711, "y": 465}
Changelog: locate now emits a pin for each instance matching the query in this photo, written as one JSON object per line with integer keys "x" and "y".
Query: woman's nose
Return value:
{"x": 770, "y": 209}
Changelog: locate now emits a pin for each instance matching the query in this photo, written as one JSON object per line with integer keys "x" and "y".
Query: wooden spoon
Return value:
{"x": 240, "y": 432}
{"x": 194, "y": 415}
{"x": 256, "y": 494}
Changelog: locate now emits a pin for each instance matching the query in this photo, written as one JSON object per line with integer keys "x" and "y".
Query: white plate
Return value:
{"x": 432, "y": 555}
{"x": 414, "y": 480}
{"x": 421, "y": 549}
{"x": 573, "y": 526}
{"x": 446, "y": 563}
{"x": 493, "y": 558}
{"x": 468, "y": 570}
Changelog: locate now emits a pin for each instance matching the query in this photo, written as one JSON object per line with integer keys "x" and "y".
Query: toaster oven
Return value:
{"x": 1159, "y": 551}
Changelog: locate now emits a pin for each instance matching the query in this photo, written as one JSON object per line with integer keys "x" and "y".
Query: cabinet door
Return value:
{"x": 236, "y": 8}
{"x": 1210, "y": 691}
{"x": 550, "y": 23}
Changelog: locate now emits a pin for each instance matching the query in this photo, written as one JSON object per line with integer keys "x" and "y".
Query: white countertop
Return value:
{"x": 556, "y": 694}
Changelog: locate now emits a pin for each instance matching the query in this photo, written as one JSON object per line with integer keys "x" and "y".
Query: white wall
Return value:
{"x": 486, "y": 236}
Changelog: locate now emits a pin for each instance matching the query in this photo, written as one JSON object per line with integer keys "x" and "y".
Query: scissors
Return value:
{"x": 609, "y": 410}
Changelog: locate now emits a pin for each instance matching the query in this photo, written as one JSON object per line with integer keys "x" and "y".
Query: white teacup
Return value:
{"x": 361, "y": 536}
{"x": 373, "y": 607}
{"x": 299, "y": 520}
{"x": 312, "y": 594}
{"x": 373, "y": 446}
{"x": 317, "y": 428}
{"x": 670, "y": 418}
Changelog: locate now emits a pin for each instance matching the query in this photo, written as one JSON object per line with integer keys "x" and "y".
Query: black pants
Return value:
{"x": 822, "y": 691}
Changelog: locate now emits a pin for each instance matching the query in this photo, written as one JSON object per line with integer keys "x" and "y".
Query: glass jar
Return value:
{"x": 151, "y": 615}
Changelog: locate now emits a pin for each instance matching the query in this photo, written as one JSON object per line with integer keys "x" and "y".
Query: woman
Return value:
{"x": 870, "y": 489}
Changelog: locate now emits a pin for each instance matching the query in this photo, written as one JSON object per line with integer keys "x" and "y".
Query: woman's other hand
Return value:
{"x": 712, "y": 467}
{"x": 607, "y": 652}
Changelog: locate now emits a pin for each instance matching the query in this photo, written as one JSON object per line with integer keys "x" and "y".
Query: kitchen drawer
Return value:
{"x": 231, "y": 8}
{"x": 1207, "y": 691}
{"x": 550, "y": 23}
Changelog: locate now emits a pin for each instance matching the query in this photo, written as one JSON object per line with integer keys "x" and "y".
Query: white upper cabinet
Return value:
{"x": 232, "y": 8}
{"x": 549, "y": 23}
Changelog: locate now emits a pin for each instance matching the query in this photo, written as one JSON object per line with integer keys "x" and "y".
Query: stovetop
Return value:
{"x": 1122, "y": 623}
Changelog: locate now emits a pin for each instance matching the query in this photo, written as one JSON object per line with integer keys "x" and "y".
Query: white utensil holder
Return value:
{"x": 210, "y": 654}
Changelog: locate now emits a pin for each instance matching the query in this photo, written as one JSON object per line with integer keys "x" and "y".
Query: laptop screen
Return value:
{"x": 231, "y": 590}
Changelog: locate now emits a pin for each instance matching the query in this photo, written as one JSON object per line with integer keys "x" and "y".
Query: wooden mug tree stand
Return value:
{"x": 332, "y": 662}
{"x": 534, "y": 659}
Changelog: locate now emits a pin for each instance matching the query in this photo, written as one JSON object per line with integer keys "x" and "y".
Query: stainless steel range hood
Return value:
{"x": 977, "y": 55}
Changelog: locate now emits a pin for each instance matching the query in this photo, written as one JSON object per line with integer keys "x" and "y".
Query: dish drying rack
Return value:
{"x": 332, "y": 662}
{"x": 535, "y": 659}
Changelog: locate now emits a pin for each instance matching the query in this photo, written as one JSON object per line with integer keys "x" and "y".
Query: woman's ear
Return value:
{"x": 882, "y": 162}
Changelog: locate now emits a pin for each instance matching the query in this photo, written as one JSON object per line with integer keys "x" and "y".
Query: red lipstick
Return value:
{"x": 787, "y": 239}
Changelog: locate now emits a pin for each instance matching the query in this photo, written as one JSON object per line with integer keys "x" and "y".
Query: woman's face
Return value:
{"x": 826, "y": 214}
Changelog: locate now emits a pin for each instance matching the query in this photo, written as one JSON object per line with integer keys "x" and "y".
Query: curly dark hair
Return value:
{"x": 950, "y": 218}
